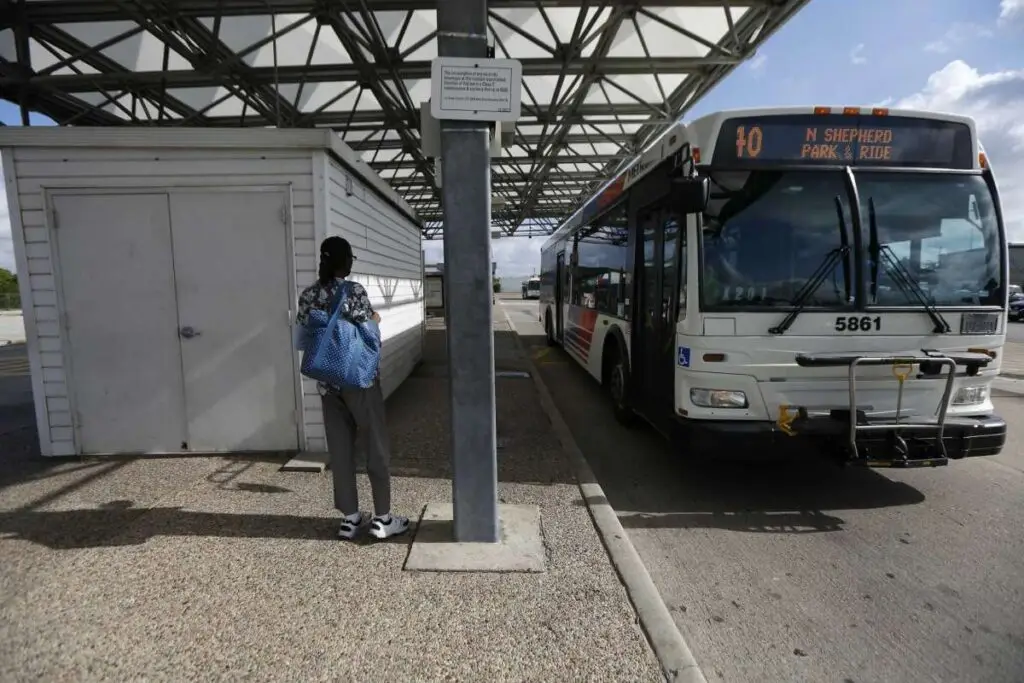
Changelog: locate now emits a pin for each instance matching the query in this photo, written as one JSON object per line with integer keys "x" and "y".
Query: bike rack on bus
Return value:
{"x": 930, "y": 364}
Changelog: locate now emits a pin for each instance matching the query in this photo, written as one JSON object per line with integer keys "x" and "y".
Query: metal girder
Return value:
{"x": 72, "y": 11}
{"x": 531, "y": 140}
{"x": 597, "y": 86}
{"x": 329, "y": 73}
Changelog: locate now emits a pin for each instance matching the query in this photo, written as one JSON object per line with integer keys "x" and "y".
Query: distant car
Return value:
{"x": 1016, "y": 309}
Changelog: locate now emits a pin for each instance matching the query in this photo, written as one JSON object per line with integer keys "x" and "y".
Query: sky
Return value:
{"x": 957, "y": 56}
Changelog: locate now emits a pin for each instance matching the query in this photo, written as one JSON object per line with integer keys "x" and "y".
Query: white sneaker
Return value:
{"x": 385, "y": 526}
{"x": 350, "y": 527}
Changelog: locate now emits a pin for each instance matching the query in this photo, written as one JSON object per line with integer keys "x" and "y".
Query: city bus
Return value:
{"x": 531, "y": 288}
{"x": 832, "y": 279}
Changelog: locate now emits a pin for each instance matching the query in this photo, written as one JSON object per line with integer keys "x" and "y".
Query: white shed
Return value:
{"x": 159, "y": 270}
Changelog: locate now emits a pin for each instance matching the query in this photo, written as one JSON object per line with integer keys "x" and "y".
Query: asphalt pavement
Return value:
{"x": 805, "y": 572}
{"x": 1015, "y": 332}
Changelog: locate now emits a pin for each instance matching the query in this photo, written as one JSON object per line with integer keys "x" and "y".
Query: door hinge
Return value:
{"x": 284, "y": 215}
{"x": 56, "y": 220}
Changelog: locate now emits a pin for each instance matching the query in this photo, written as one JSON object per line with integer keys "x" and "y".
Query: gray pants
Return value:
{"x": 355, "y": 422}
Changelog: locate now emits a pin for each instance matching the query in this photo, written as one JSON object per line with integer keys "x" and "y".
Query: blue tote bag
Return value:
{"x": 339, "y": 351}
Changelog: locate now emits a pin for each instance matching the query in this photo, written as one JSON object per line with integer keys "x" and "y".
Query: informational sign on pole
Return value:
{"x": 467, "y": 89}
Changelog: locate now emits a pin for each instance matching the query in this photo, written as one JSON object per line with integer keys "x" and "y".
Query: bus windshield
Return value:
{"x": 767, "y": 232}
{"x": 941, "y": 228}
{"x": 533, "y": 285}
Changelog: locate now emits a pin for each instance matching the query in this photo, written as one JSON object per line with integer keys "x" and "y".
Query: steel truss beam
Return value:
{"x": 565, "y": 146}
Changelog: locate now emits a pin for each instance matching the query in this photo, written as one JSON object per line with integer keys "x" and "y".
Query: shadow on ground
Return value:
{"x": 419, "y": 427}
{"x": 120, "y": 523}
{"x": 652, "y": 485}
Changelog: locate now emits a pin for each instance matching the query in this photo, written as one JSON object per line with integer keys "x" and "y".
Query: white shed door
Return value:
{"x": 233, "y": 289}
{"x": 117, "y": 283}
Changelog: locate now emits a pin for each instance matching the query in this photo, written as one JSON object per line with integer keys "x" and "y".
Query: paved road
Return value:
{"x": 1015, "y": 332}
{"x": 791, "y": 573}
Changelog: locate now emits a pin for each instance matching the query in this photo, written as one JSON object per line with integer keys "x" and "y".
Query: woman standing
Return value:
{"x": 352, "y": 416}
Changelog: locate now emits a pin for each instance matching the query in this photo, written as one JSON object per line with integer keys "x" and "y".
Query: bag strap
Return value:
{"x": 336, "y": 306}
{"x": 339, "y": 294}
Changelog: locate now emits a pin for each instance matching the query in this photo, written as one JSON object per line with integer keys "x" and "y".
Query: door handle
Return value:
{"x": 188, "y": 333}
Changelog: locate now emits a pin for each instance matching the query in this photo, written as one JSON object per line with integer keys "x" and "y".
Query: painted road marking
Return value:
{"x": 544, "y": 355}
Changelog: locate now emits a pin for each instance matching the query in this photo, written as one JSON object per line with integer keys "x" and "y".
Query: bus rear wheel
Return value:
{"x": 617, "y": 381}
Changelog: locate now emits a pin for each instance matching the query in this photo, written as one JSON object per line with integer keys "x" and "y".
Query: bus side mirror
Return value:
{"x": 690, "y": 195}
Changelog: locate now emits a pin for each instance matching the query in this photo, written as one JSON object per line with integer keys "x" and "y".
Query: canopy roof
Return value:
{"x": 600, "y": 79}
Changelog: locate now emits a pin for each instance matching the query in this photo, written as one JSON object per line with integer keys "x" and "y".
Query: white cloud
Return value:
{"x": 757, "y": 62}
{"x": 957, "y": 34}
{"x": 995, "y": 101}
{"x": 1010, "y": 10}
{"x": 857, "y": 54}
{"x": 6, "y": 244}
{"x": 516, "y": 256}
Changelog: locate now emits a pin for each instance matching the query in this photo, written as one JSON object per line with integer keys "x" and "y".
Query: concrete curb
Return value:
{"x": 677, "y": 662}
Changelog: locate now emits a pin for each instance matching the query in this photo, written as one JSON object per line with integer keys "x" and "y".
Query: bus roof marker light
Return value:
{"x": 851, "y": 111}
{"x": 879, "y": 111}
{"x": 695, "y": 153}
{"x": 982, "y": 160}
{"x": 823, "y": 111}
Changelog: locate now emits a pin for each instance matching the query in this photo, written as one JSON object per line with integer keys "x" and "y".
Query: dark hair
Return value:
{"x": 335, "y": 259}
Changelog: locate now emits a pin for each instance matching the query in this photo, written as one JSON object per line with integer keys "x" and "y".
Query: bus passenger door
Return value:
{"x": 653, "y": 360}
{"x": 559, "y": 294}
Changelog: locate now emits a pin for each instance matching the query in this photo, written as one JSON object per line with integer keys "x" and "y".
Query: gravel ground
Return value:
{"x": 226, "y": 569}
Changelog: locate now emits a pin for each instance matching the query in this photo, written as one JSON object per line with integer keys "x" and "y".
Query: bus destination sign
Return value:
{"x": 842, "y": 140}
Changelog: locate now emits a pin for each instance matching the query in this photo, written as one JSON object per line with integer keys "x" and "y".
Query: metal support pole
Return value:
{"x": 466, "y": 200}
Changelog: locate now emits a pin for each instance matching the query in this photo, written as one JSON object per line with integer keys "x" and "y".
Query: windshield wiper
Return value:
{"x": 844, "y": 242}
{"x": 824, "y": 270}
{"x": 898, "y": 272}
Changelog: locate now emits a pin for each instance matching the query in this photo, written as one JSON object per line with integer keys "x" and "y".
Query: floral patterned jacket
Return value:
{"x": 355, "y": 306}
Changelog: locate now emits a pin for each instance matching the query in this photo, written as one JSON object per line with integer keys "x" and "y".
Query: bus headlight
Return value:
{"x": 718, "y": 398}
{"x": 966, "y": 396}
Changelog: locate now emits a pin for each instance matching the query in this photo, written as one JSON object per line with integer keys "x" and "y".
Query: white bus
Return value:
{"x": 765, "y": 277}
{"x": 531, "y": 288}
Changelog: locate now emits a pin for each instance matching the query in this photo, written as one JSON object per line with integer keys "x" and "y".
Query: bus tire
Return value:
{"x": 549, "y": 329}
{"x": 616, "y": 379}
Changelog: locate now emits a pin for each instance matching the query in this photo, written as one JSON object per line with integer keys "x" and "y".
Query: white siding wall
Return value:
{"x": 113, "y": 168}
{"x": 387, "y": 248}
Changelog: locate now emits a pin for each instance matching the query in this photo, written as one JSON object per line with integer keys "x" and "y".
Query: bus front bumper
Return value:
{"x": 963, "y": 437}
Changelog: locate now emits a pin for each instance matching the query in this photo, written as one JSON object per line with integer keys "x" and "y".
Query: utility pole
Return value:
{"x": 466, "y": 203}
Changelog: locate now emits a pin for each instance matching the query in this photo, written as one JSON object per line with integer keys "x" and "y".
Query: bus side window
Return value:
{"x": 681, "y": 309}
{"x": 572, "y": 274}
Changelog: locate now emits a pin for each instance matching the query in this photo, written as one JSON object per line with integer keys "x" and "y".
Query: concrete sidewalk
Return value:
{"x": 12, "y": 327}
{"x": 225, "y": 568}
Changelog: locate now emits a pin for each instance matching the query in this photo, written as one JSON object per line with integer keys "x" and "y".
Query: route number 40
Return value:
{"x": 858, "y": 323}
{"x": 748, "y": 144}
